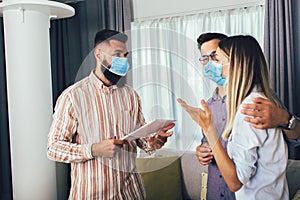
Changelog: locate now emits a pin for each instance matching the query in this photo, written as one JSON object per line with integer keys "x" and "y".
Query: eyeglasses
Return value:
{"x": 204, "y": 59}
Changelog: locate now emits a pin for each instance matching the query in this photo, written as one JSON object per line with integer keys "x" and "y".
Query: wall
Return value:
{"x": 143, "y": 9}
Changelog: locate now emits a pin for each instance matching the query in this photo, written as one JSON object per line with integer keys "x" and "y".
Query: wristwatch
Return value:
{"x": 292, "y": 123}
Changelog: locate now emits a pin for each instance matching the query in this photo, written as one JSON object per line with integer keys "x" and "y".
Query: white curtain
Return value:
{"x": 166, "y": 67}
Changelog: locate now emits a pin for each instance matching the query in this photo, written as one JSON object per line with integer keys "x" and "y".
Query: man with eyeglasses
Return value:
{"x": 90, "y": 118}
{"x": 262, "y": 114}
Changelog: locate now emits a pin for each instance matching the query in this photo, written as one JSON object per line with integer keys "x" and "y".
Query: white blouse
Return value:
{"x": 260, "y": 157}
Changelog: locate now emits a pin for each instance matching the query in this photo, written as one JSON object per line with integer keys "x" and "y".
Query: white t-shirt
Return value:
{"x": 260, "y": 157}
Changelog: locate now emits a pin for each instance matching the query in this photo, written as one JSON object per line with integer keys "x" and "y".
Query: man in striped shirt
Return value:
{"x": 89, "y": 118}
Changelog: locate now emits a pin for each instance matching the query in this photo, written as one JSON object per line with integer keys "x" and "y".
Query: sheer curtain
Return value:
{"x": 165, "y": 64}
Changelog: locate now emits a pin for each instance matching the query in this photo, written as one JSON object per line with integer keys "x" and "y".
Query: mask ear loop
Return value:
{"x": 102, "y": 59}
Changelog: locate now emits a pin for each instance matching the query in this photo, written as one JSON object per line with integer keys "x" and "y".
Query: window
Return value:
{"x": 165, "y": 64}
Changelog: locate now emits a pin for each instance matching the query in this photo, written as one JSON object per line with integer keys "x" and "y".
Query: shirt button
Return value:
{"x": 222, "y": 195}
{"x": 223, "y": 119}
{"x": 220, "y": 176}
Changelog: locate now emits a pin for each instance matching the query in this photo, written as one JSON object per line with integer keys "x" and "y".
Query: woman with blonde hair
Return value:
{"x": 254, "y": 167}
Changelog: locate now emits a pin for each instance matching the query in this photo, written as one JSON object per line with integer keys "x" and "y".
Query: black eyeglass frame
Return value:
{"x": 204, "y": 59}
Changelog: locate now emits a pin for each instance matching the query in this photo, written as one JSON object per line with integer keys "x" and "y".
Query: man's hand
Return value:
{"x": 161, "y": 137}
{"x": 265, "y": 114}
{"x": 107, "y": 148}
{"x": 204, "y": 154}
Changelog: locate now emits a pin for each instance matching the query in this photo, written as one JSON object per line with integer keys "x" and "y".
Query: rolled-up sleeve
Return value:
{"x": 60, "y": 147}
{"x": 244, "y": 143}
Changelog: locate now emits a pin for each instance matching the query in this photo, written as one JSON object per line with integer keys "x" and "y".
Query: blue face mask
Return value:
{"x": 119, "y": 66}
{"x": 213, "y": 71}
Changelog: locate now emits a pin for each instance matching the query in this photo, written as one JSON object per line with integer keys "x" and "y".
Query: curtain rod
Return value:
{"x": 198, "y": 11}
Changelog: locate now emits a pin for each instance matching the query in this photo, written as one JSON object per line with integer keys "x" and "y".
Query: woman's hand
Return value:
{"x": 202, "y": 117}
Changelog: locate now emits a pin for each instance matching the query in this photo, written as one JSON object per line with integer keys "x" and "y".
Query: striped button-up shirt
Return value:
{"x": 89, "y": 112}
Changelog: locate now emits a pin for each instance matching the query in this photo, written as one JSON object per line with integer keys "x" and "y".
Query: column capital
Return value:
{"x": 54, "y": 9}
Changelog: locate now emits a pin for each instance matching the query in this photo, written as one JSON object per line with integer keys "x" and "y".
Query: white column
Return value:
{"x": 27, "y": 52}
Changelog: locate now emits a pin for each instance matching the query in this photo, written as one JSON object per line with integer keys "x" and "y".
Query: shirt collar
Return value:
{"x": 216, "y": 96}
{"x": 95, "y": 80}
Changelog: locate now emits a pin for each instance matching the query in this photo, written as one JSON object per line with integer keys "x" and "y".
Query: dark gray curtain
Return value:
{"x": 296, "y": 30}
{"x": 72, "y": 38}
{"x": 282, "y": 32}
{"x": 279, "y": 49}
{"x": 71, "y": 41}
{"x": 5, "y": 162}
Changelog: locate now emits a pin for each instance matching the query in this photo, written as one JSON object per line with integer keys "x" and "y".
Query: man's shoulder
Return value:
{"x": 76, "y": 86}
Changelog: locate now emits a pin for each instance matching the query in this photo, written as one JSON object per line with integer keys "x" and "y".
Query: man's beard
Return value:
{"x": 113, "y": 78}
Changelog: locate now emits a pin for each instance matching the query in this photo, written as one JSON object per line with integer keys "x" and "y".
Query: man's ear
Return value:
{"x": 98, "y": 54}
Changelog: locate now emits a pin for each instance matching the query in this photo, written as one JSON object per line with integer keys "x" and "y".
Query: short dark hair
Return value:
{"x": 106, "y": 35}
{"x": 205, "y": 37}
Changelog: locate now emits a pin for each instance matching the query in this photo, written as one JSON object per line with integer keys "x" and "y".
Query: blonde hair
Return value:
{"x": 248, "y": 69}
